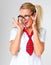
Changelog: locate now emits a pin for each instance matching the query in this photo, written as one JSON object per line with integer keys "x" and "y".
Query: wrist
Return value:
{"x": 36, "y": 38}
{"x": 20, "y": 31}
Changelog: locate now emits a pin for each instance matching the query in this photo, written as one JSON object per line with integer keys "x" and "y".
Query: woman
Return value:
{"x": 27, "y": 37}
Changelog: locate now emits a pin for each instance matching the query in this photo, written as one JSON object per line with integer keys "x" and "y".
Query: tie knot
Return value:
{"x": 28, "y": 33}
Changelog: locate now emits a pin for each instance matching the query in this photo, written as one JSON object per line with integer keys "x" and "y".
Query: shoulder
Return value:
{"x": 13, "y": 33}
{"x": 42, "y": 35}
{"x": 42, "y": 31}
{"x": 14, "y": 29}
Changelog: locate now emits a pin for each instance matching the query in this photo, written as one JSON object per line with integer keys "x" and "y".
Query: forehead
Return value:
{"x": 25, "y": 12}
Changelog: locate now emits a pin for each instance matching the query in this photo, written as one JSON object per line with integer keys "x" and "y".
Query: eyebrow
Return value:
{"x": 21, "y": 16}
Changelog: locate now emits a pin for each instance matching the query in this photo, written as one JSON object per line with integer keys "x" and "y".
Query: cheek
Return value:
{"x": 30, "y": 21}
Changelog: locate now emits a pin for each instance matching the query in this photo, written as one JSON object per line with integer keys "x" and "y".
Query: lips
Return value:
{"x": 25, "y": 22}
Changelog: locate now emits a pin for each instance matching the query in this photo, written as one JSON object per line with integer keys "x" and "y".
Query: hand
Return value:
{"x": 34, "y": 27}
{"x": 17, "y": 24}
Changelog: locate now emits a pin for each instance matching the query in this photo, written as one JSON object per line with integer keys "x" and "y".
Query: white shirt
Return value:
{"x": 23, "y": 58}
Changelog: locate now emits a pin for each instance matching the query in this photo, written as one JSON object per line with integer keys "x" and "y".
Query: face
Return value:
{"x": 25, "y": 17}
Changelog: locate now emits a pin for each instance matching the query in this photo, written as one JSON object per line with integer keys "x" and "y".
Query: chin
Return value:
{"x": 28, "y": 26}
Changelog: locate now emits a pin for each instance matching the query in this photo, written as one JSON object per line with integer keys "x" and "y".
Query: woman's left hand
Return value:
{"x": 34, "y": 28}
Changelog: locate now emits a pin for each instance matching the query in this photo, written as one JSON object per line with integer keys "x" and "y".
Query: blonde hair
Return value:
{"x": 39, "y": 16}
{"x": 33, "y": 9}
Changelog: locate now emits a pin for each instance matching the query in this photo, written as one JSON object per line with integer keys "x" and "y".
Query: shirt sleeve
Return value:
{"x": 42, "y": 35}
{"x": 13, "y": 34}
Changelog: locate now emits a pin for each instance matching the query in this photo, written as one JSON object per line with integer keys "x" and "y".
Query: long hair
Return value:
{"x": 39, "y": 16}
{"x": 33, "y": 9}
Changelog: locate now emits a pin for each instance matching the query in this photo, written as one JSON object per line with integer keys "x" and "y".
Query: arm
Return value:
{"x": 15, "y": 44}
{"x": 38, "y": 44}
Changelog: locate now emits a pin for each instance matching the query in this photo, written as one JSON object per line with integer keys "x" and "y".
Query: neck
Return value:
{"x": 29, "y": 30}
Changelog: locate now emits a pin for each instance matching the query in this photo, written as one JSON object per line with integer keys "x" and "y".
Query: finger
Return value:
{"x": 34, "y": 23}
{"x": 14, "y": 23}
{"x": 14, "y": 19}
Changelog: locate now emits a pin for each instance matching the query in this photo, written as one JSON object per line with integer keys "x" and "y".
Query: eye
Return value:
{"x": 20, "y": 17}
{"x": 27, "y": 16}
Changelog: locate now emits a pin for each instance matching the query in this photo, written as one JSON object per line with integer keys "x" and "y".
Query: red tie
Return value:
{"x": 29, "y": 46}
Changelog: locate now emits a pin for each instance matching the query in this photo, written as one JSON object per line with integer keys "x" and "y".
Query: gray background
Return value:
{"x": 9, "y": 9}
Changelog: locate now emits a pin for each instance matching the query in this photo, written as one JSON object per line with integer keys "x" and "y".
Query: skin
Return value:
{"x": 31, "y": 25}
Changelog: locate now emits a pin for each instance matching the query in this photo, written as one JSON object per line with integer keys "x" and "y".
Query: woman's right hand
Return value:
{"x": 18, "y": 25}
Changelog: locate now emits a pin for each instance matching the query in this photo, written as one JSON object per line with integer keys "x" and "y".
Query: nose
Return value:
{"x": 24, "y": 20}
